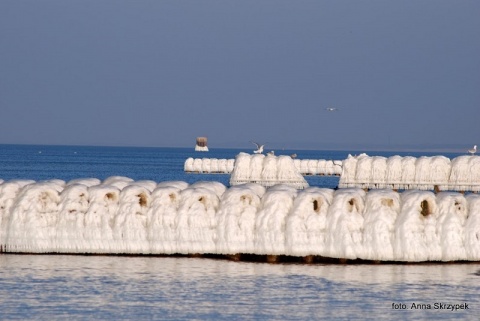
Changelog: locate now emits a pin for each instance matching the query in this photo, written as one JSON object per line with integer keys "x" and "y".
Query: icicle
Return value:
{"x": 415, "y": 229}
{"x": 130, "y": 222}
{"x": 297, "y": 163}
{"x": 363, "y": 173}
{"x": 8, "y": 194}
{"x": 270, "y": 221}
{"x": 99, "y": 219}
{"x": 230, "y": 165}
{"x": 303, "y": 166}
{"x": 379, "y": 172}
{"x": 306, "y": 227}
{"x": 347, "y": 179}
{"x": 196, "y": 223}
{"x": 408, "y": 172}
{"x": 474, "y": 165}
{"x": 269, "y": 171}
{"x": 236, "y": 219}
{"x": 382, "y": 209}
{"x": 222, "y": 166}
{"x": 423, "y": 174}
{"x": 460, "y": 174}
{"x": 240, "y": 173}
{"x": 441, "y": 168}
{"x": 161, "y": 219}
{"x": 337, "y": 167}
{"x": 472, "y": 228}
{"x": 197, "y": 165}
{"x": 312, "y": 167}
{"x": 256, "y": 166}
{"x": 206, "y": 165}
{"x": 321, "y": 164}
{"x": 452, "y": 214}
{"x": 34, "y": 218}
{"x": 394, "y": 172}
{"x": 329, "y": 167}
{"x": 345, "y": 224}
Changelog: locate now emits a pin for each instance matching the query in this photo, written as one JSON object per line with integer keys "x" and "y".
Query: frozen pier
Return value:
{"x": 122, "y": 216}
{"x": 425, "y": 173}
{"x": 225, "y": 166}
{"x": 437, "y": 173}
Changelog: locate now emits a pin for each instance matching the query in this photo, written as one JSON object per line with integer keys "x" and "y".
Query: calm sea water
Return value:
{"x": 59, "y": 287}
{"x": 157, "y": 164}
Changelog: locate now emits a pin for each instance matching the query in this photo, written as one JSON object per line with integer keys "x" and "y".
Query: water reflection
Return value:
{"x": 44, "y": 286}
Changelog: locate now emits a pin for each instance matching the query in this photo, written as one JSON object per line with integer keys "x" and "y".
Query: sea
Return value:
{"x": 111, "y": 287}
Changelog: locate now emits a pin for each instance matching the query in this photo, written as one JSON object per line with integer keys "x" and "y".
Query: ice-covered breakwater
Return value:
{"x": 209, "y": 165}
{"x": 326, "y": 167}
{"x": 121, "y": 216}
{"x": 226, "y": 166}
{"x": 371, "y": 172}
{"x": 425, "y": 173}
{"x": 266, "y": 170}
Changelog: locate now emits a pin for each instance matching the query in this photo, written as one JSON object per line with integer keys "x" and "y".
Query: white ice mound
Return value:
{"x": 424, "y": 173}
{"x": 225, "y": 166}
{"x": 306, "y": 223}
{"x": 379, "y": 225}
{"x": 121, "y": 216}
{"x": 266, "y": 170}
{"x": 236, "y": 216}
{"x": 208, "y": 165}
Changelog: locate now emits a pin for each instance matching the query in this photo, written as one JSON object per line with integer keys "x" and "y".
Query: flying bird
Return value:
{"x": 473, "y": 150}
{"x": 331, "y": 109}
{"x": 259, "y": 148}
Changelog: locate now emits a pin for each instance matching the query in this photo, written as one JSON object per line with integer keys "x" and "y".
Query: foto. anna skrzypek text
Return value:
{"x": 431, "y": 306}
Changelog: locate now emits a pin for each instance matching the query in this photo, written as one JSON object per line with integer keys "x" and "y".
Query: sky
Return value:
{"x": 403, "y": 74}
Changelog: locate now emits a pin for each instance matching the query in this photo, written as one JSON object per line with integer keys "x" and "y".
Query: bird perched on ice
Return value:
{"x": 331, "y": 109}
{"x": 473, "y": 150}
{"x": 259, "y": 148}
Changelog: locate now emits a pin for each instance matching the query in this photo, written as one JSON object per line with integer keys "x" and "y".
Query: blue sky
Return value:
{"x": 403, "y": 74}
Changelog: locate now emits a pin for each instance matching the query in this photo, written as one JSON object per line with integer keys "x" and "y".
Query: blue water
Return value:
{"x": 158, "y": 164}
{"x": 59, "y": 287}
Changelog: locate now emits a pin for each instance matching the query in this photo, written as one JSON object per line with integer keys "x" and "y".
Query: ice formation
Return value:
{"x": 379, "y": 224}
{"x": 416, "y": 237}
{"x": 123, "y": 216}
{"x": 226, "y": 166}
{"x": 208, "y": 165}
{"x": 306, "y": 224}
{"x": 236, "y": 219}
{"x": 363, "y": 171}
{"x": 266, "y": 170}
{"x": 423, "y": 173}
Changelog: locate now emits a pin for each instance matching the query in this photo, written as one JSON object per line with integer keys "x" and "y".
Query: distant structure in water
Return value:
{"x": 201, "y": 145}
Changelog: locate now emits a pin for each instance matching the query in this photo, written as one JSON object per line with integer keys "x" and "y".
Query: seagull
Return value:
{"x": 473, "y": 150}
{"x": 331, "y": 109}
{"x": 271, "y": 153}
{"x": 259, "y": 148}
